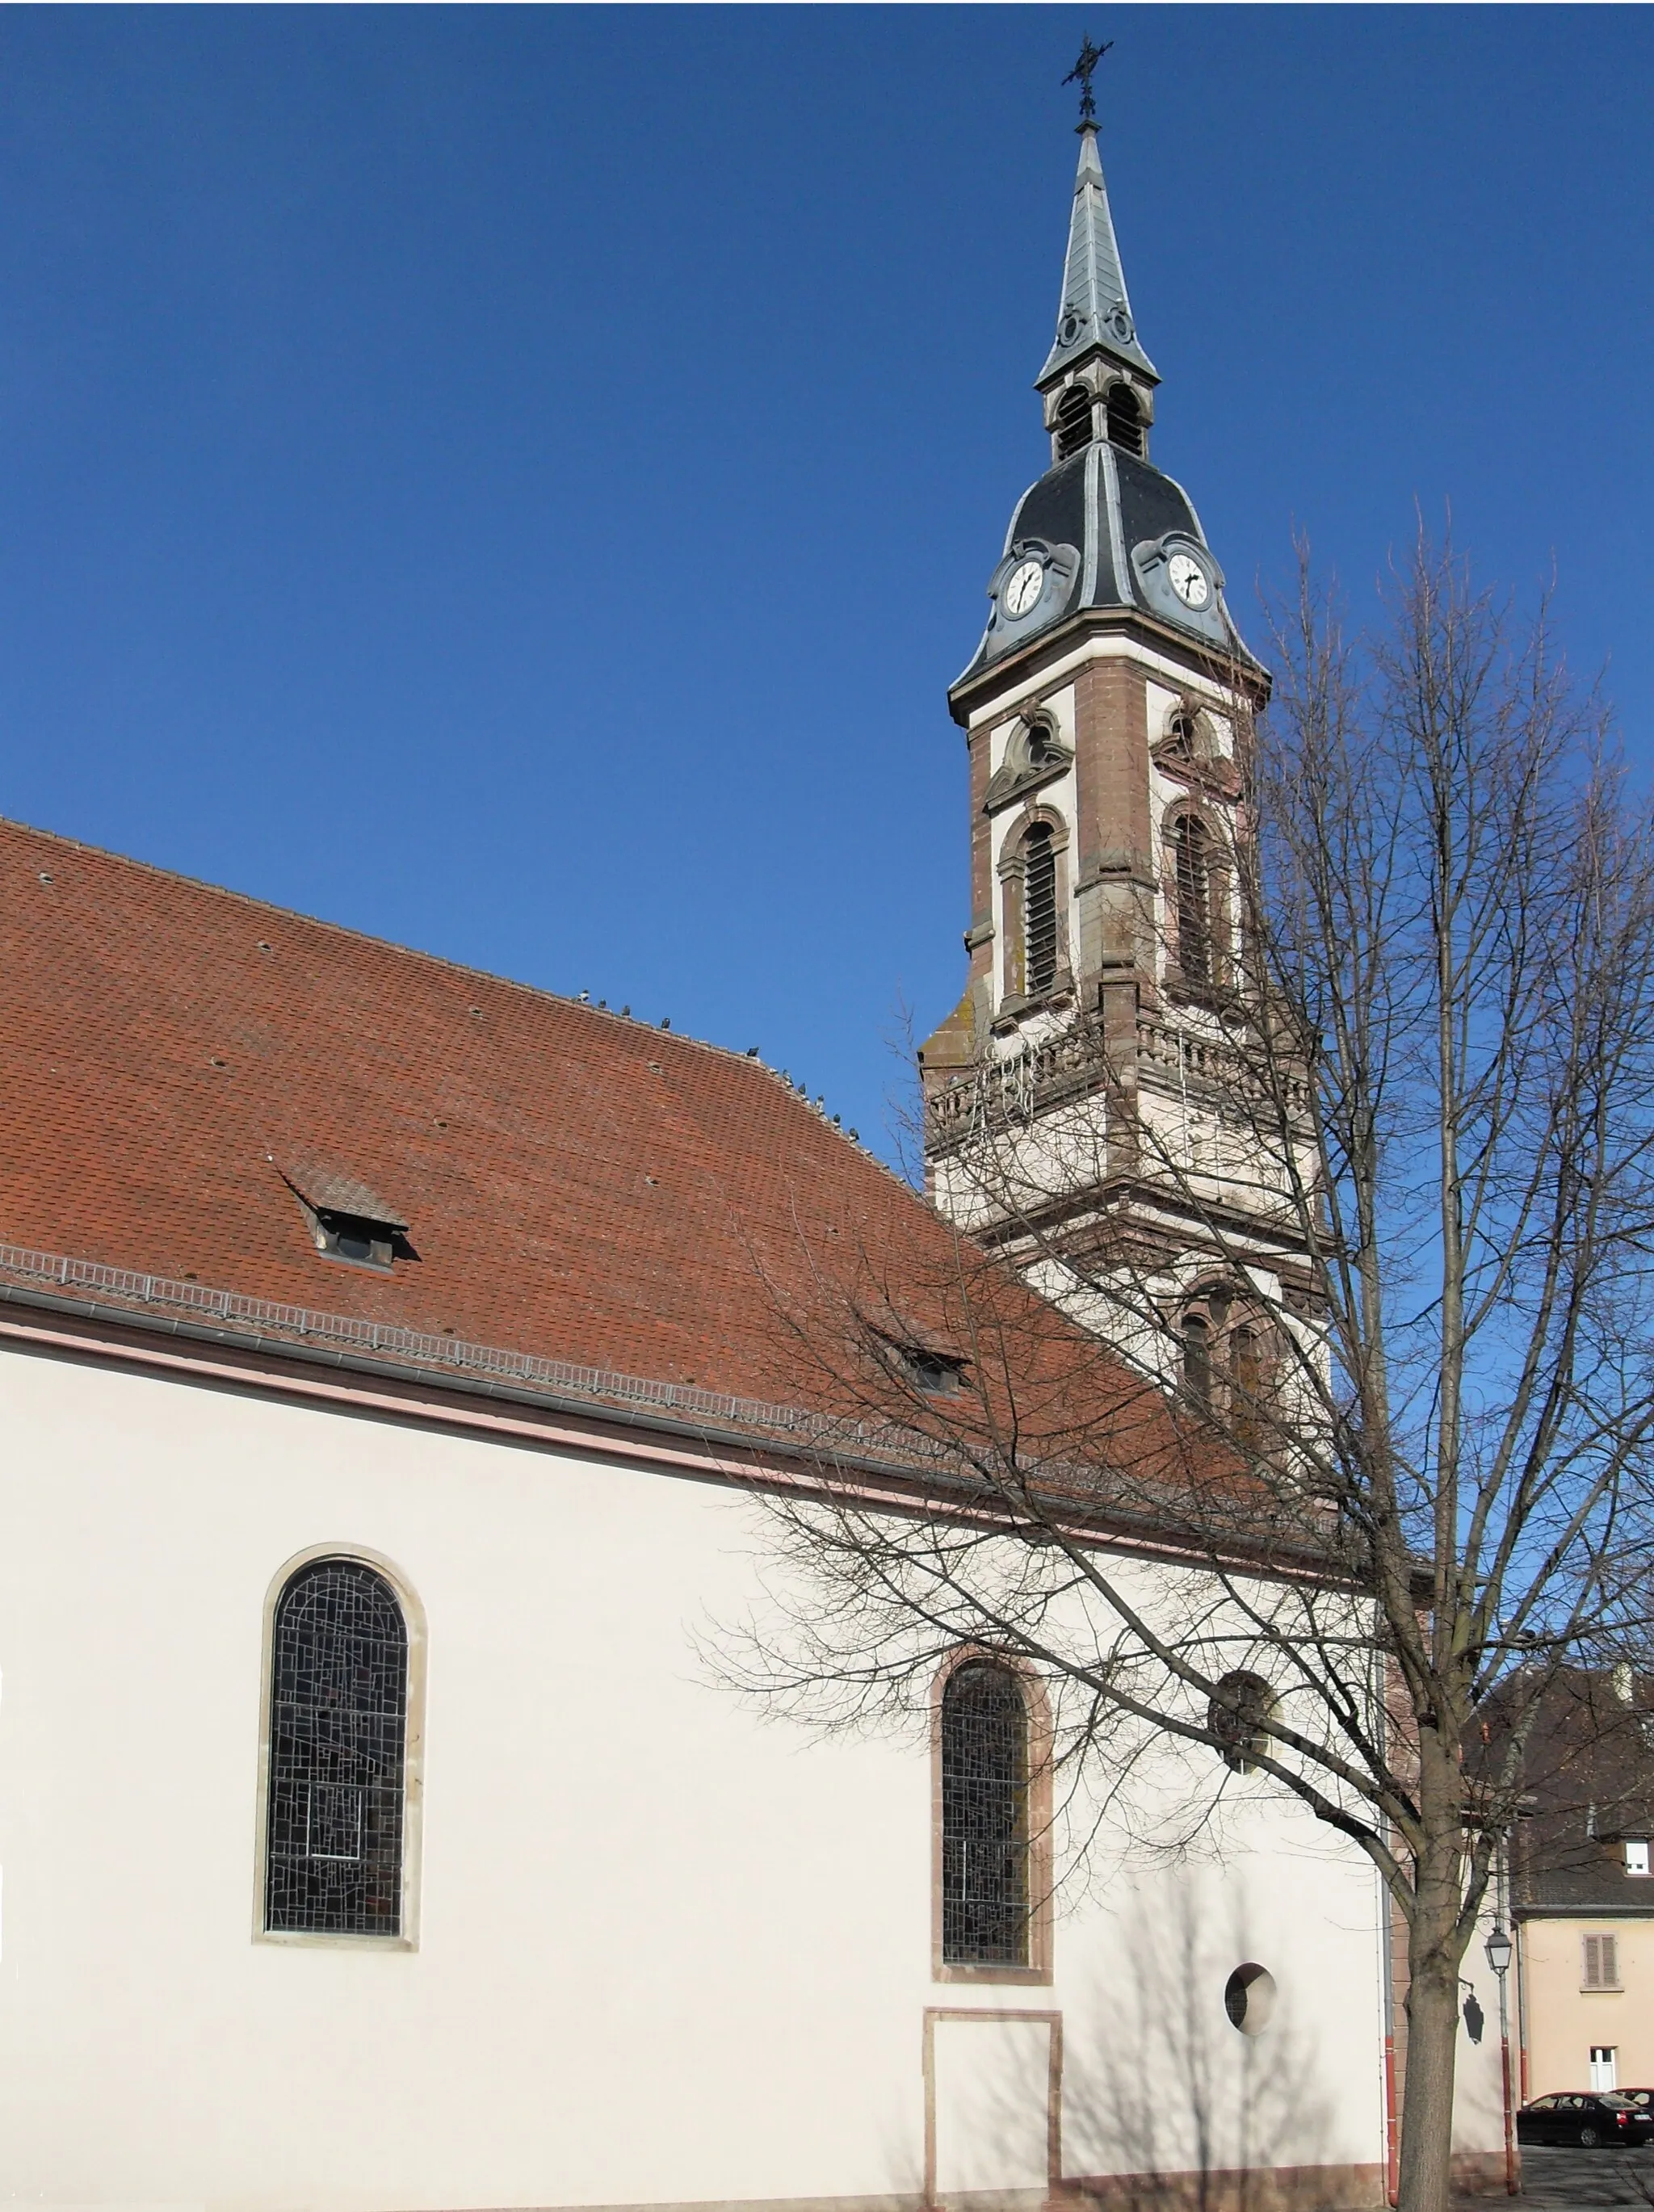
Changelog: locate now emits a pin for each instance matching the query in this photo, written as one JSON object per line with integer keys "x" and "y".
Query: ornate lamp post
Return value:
{"x": 1499, "y": 1950}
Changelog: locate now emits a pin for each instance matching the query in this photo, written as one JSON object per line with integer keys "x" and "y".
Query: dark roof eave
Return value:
{"x": 757, "y": 1449}
{"x": 975, "y": 682}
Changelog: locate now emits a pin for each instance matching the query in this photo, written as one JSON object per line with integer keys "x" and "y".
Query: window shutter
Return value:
{"x": 1602, "y": 1962}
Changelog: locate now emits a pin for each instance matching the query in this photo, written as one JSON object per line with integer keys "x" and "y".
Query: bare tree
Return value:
{"x": 1362, "y": 1457}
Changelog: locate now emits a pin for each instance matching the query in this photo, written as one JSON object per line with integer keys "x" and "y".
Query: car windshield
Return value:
{"x": 1622, "y": 2103}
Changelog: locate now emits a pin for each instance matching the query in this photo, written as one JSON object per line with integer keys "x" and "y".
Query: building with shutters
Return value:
{"x": 1583, "y": 1888}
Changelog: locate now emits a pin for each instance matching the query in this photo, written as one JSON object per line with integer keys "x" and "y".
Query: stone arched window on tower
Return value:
{"x": 1125, "y": 420}
{"x": 1222, "y": 1357}
{"x": 1196, "y": 1357}
{"x": 1031, "y": 872}
{"x": 1197, "y": 895}
{"x": 1073, "y": 420}
{"x": 1245, "y": 1364}
{"x": 992, "y": 1823}
{"x": 1189, "y": 737}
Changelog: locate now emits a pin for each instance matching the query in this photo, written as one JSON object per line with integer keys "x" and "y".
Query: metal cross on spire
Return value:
{"x": 1081, "y": 75}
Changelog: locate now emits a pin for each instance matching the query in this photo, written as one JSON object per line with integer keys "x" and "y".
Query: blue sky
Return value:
{"x": 520, "y": 480}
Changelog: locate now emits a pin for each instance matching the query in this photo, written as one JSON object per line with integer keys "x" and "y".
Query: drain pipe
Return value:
{"x": 1387, "y": 1976}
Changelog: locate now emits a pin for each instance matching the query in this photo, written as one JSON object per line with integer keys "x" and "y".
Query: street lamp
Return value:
{"x": 1499, "y": 1950}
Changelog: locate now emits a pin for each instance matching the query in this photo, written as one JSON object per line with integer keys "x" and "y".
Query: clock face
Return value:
{"x": 1188, "y": 580}
{"x": 1022, "y": 587}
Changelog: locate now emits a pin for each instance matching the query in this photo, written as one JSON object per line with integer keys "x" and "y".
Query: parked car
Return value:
{"x": 1578, "y": 2116}
{"x": 1642, "y": 2098}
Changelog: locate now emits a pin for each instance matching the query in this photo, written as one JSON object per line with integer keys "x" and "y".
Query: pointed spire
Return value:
{"x": 1095, "y": 313}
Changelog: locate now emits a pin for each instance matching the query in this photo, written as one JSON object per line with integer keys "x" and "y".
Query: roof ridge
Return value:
{"x": 388, "y": 943}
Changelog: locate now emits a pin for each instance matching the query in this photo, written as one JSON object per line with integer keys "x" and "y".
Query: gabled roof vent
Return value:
{"x": 347, "y": 1220}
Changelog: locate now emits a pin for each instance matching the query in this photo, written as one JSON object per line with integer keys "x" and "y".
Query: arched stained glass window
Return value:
{"x": 985, "y": 1839}
{"x": 338, "y": 1709}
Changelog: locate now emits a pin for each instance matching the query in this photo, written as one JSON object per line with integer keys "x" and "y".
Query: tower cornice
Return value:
{"x": 1233, "y": 671}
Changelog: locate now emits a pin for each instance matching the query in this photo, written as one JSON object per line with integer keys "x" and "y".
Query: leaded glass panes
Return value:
{"x": 985, "y": 1854}
{"x": 338, "y": 1707}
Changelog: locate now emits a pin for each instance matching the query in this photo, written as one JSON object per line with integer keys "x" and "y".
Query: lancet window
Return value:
{"x": 985, "y": 1899}
{"x": 338, "y": 1710}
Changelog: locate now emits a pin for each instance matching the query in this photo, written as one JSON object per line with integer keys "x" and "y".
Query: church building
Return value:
{"x": 394, "y": 1360}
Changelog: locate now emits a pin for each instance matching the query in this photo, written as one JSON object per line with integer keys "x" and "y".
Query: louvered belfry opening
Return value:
{"x": 1039, "y": 909}
{"x": 1125, "y": 420}
{"x": 338, "y": 1710}
{"x": 985, "y": 1841}
{"x": 1073, "y": 421}
{"x": 1245, "y": 1378}
{"x": 1191, "y": 848}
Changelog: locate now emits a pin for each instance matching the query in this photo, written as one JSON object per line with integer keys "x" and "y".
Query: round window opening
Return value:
{"x": 1249, "y": 1998}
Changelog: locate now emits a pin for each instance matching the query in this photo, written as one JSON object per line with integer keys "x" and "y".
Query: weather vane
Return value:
{"x": 1081, "y": 75}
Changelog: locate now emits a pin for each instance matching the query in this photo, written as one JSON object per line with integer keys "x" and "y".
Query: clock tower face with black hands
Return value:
{"x": 1189, "y": 582}
{"x": 1022, "y": 588}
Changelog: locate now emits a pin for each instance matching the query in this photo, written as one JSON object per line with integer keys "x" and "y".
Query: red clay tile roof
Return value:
{"x": 177, "y": 1061}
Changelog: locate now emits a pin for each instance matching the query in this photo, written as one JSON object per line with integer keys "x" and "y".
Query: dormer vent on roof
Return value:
{"x": 348, "y": 1221}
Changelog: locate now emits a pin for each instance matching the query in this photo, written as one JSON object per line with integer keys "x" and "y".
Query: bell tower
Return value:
{"x": 1075, "y": 1100}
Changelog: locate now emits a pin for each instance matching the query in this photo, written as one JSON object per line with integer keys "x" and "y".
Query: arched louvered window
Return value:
{"x": 1245, "y": 1383}
{"x": 1192, "y": 869}
{"x": 339, "y": 1712}
{"x": 1197, "y": 1357}
{"x": 985, "y": 1824}
{"x": 1125, "y": 420}
{"x": 1039, "y": 909}
{"x": 1073, "y": 421}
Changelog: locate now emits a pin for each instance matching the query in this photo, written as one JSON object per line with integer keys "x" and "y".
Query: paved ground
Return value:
{"x": 1559, "y": 2179}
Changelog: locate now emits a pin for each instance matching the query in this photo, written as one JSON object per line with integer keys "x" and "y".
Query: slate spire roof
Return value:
{"x": 1094, "y": 312}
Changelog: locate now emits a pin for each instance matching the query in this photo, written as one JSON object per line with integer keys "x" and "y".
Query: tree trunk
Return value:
{"x": 1432, "y": 2029}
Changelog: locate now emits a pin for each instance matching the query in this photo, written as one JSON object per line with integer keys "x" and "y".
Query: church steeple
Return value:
{"x": 1075, "y": 1097}
{"x": 1095, "y": 314}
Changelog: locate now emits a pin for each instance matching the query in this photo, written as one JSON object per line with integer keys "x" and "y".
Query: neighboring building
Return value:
{"x": 1583, "y": 1888}
{"x": 389, "y": 1359}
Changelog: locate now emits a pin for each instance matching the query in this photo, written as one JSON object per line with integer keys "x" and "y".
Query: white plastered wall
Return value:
{"x": 668, "y": 1952}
